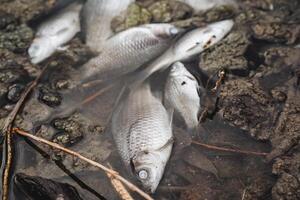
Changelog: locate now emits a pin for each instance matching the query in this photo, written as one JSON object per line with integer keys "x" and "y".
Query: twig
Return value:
{"x": 7, "y": 131}
{"x": 95, "y": 164}
{"x": 221, "y": 75}
{"x": 92, "y": 97}
{"x": 229, "y": 150}
{"x": 119, "y": 187}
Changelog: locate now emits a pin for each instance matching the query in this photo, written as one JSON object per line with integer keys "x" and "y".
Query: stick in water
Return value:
{"x": 98, "y": 165}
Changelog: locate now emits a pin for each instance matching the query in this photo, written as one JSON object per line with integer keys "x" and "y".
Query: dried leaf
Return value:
{"x": 193, "y": 157}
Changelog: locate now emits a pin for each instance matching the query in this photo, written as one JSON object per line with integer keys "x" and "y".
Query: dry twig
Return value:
{"x": 7, "y": 131}
{"x": 229, "y": 150}
{"x": 95, "y": 164}
{"x": 221, "y": 75}
{"x": 119, "y": 187}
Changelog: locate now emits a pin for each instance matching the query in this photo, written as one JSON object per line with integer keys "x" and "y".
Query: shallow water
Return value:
{"x": 225, "y": 174}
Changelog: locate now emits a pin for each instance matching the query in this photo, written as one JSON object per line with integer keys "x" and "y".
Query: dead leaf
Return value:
{"x": 195, "y": 158}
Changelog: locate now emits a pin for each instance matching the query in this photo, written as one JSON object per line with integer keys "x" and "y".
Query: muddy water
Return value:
{"x": 191, "y": 172}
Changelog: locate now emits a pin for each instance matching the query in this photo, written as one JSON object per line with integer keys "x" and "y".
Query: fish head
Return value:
{"x": 182, "y": 76}
{"x": 40, "y": 49}
{"x": 163, "y": 30}
{"x": 178, "y": 69}
{"x": 149, "y": 169}
{"x": 197, "y": 40}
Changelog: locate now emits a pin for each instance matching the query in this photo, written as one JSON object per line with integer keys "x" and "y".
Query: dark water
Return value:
{"x": 191, "y": 169}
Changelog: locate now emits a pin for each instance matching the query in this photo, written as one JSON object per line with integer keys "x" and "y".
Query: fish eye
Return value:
{"x": 173, "y": 31}
{"x": 143, "y": 174}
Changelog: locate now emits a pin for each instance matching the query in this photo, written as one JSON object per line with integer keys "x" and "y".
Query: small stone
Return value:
{"x": 71, "y": 131}
{"x": 49, "y": 97}
{"x": 3, "y": 91}
{"x": 12, "y": 75}
{"x": 61, "y": 84}
{"x": 278, "y": 95}
{"x": 14, "y": 92}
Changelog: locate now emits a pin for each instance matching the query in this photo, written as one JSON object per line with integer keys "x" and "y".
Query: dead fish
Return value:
{"x": 128, "y": 50}
{"x": 182, "y": 94}
{"x": 55, "y": 32}
{"x": 141, "y": 127}
{"x": 96, "y": 20}
{"x": 191, "y": 44}
{"x": 36, "y": 188}
{"x": 204, "y": 5}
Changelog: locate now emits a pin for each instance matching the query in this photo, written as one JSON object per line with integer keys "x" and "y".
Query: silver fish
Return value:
{"x": 128, "y": 50}
{"x": 182, "y": 94}
{"x": 191, "y": 44}
{"x": 141, "y": 127}
{"x": 96, "y": 20}
{"x": 55, "y": 32}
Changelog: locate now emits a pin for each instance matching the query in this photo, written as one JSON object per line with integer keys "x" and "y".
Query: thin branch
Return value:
{"x": 92, "y": 97}
{"x": 221, "y": 75}
{"x": 7, "y": 131}
{"x": 229, "y": 150}
{"x": 95, "y": 164}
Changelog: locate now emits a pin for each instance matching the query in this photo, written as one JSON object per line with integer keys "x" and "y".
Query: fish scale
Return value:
{"x": 140, "y": 126}
{"x": 125, "y": 53}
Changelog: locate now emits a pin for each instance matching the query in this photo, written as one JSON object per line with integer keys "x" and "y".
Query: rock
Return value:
{"x": 286, "y": 187}
{"x": 37, "y": 188}
{"x": 278, "y": 95}
{"x": 49, "y": 97}
{"x": 13, "y": 75}
{"x": 3, "y": 92}
{"x": 6, "y": 19}
{"x": 259, "y": 189}
{"x": 27, "y": 10}
{"x": 151, "y": 12}
{"x": 219, "y": 13}
{"x": 245, "y": 105}
{"x": 286, "y": 132}
{"x": 16, "y": 38}
{"x": 166, "y": 11}
{"x": 277, "y": 32}
{"x": 14, "y": 92}
{"x": 135, "y": 15}
{"x": 229, "y": 54}
{"x": 72, "y": 131}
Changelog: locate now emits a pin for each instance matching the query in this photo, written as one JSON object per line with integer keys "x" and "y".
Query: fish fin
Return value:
{"x": 169, "y": 142}
{"x": 171, "y": 114}
{"x": 61, "y": 31}
{"x": 62, "y": 48}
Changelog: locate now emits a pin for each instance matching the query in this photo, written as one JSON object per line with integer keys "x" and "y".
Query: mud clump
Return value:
{"x": 152, "y": 12}
{"x": 277, "y": 32}
{"x": 71, "y": 131}
{"x": 229, "y": 54}
{"x": 14, "y": 92}
{"x": 50, "y": 97}
{"x": 27, "y": 10}
{"x": 258, "y": 188}
{"x": 245, "y": 105}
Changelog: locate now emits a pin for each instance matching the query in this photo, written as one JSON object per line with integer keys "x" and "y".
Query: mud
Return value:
{"x": 258, "y": 107}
